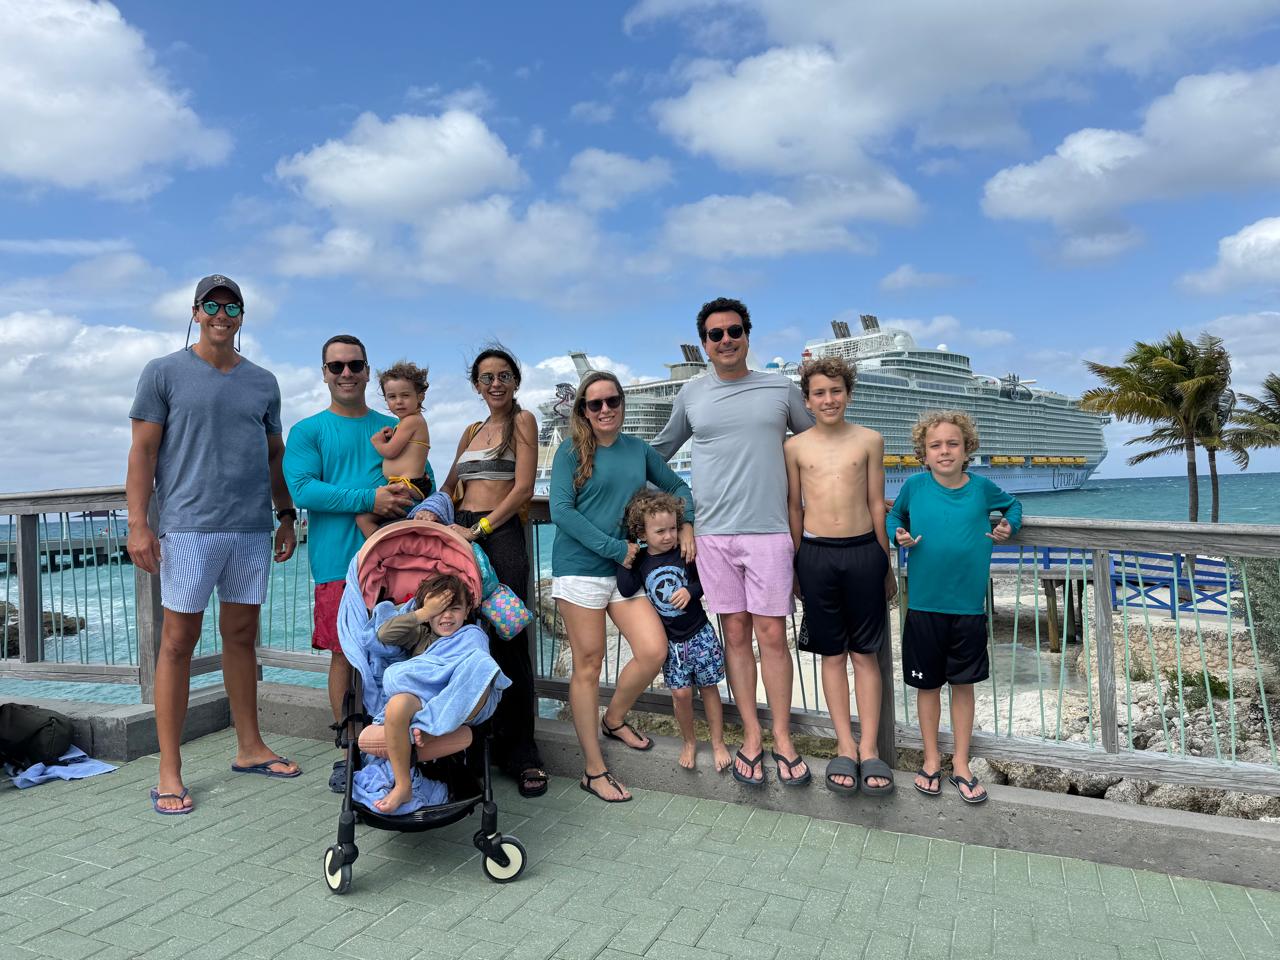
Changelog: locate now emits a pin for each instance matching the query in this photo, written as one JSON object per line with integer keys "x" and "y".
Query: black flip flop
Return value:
{"x": 612, "y": 734}
{"x": 791, "y": 780}
{"x": 752, "y": 762}
{"x": 935, "y": 778}
{"x": 973, "y": 784}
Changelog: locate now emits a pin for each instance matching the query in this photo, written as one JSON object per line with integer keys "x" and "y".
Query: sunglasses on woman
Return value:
{"x": 613, "y": 403}
{"x": 716, "y": 334}
{"x": 211, "y": 308}
{"x": 504, "y": 376}
{"x": 355, "y": 366}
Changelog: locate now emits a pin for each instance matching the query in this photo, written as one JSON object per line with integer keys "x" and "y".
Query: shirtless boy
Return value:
{"x": 835, "y": 503}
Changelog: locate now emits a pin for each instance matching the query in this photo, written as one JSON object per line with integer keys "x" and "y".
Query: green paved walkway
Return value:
{"x": 90, "y": 871}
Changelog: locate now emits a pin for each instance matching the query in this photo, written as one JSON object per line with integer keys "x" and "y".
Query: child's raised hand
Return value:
{"x": 903, "y": 539}
{"x": 680, "y": 599}
{"x": 387, "y": 433}
{"x": 433, "y": 603}
{"x": 427, "y": 515}
{"x": 1002, "y": 531}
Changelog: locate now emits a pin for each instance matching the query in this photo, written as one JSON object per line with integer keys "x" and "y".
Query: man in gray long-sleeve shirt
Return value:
{"x": 738, "y": 419}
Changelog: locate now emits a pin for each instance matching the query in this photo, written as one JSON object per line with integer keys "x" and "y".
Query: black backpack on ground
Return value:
{"x": 31, "y": 735}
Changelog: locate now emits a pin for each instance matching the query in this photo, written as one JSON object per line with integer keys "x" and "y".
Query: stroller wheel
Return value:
{"x": 513, "y": 849}
{"x": 337, "y": 874}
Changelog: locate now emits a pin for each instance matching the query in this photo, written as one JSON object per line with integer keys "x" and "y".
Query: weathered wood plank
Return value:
{"x": 1104, "y": 647}
{"x": 150, "y": 620}
{"x": 292, "y": 660}
{"x": 1213, "y": 539}
{"x": 209, "y": 663}
{"x": 30, "y": 625}
{"x": 74, "y": 500}
{"x": 70, "y": 672}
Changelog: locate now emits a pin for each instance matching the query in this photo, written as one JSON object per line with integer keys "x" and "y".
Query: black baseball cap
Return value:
{"x": 213, "y": 282}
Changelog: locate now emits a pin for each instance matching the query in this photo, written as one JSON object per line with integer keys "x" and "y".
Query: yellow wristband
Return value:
{"x": 485, "y": 525}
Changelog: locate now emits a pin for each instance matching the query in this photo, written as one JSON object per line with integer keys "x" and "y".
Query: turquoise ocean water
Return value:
{"x": 104, "y": 597}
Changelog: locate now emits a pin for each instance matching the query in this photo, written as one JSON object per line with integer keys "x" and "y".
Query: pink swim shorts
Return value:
{"x": 749, "y": 572}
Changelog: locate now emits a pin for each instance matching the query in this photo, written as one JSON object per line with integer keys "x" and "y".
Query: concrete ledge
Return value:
{"x": 128, "y": 731}
{"x": 1033, "y": 821}
{"x": 294, "y": 711}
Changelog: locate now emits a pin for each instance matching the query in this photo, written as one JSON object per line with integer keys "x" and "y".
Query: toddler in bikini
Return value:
{"x": 404, "y": 447}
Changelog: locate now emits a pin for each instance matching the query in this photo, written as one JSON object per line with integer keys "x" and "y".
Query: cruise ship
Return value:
{"x": 1032, "y": 439}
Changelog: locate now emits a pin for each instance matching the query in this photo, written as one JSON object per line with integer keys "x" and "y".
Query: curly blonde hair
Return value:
{"x": 931, "y": 418}
{"x": 649, "y": 503}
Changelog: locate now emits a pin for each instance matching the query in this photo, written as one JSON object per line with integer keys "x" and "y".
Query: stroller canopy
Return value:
{"x": 401, "y": 555}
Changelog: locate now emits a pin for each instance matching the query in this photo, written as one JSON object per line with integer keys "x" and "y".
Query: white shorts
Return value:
{"x": 594, "y": 593}
{"x": 193, "y": 562}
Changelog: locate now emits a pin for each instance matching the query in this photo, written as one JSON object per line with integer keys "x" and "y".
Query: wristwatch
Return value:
{"x": 288, "y": 513}
{"x": 477, "y": 531}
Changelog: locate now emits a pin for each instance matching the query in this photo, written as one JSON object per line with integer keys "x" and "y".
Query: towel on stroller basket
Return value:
{"x": 455, "y": 673}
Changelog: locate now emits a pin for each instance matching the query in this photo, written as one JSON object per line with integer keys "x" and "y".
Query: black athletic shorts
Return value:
{"x": 940, "y": 648}
{"x": 842, "y": 585}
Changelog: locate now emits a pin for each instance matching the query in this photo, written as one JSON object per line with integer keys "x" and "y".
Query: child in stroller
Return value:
{"x": 455, "y": 684}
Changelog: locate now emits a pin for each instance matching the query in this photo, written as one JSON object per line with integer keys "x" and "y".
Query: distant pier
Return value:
{"x": 72, "y": 552}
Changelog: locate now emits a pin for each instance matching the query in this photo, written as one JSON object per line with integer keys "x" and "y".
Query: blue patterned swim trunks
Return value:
{"x": 697, "y": 662}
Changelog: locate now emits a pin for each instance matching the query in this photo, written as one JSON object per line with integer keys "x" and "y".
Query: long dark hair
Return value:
{"x": 584, "y": 438}
{"x": 499, "y": 352}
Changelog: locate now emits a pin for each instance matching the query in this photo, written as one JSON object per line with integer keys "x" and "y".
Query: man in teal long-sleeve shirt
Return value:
{"x": 333, "y": 472}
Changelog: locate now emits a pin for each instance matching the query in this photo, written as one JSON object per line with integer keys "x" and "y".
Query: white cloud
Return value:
{"x": 537, "y": 138}
{"x": 1217, "y": 131}
{"x": 65, "y": 247}
{"x": 1251, "y": 256}
{"x": 907, "y": 277}
{"x": 770, "y": 225}
{"x": 1252, "y": 341}
{"x": 473, "y": 99}
{"x": 602, "y": 180}
{"x": 63, "y": 373}
{"x": 1103, "y": 243}
{"x": 591, "y": 111}
{"x": 341, "y": 250}
{"x": 402, "y": 169}
{"x": 173, "y": 307}
{"x": 931, "y": 332}
{"x": 84, "y": 106}
{"x": 109, "y": 279}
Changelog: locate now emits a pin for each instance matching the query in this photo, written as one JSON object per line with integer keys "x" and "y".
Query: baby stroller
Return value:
{"x": 389, "y": 567}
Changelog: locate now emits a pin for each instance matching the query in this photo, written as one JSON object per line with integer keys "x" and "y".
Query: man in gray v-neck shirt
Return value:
{"x": 738, "y": 419}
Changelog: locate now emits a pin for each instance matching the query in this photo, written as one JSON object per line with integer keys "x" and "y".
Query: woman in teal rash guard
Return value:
{"x": 593, "y": 475}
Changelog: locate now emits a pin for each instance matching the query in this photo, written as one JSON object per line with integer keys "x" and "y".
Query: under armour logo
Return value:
{"x": 917, "y": 675}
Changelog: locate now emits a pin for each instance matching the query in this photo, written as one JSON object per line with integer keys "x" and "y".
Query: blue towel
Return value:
{"x": 374, "y": 780}
{"x": 75, "y": 764}
{"x": 437, "y": 503}
{"x": 451, "y": 677}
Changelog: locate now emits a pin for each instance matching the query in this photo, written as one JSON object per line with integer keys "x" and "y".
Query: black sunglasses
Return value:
{"x": 211, "y": 308}
{"x": 717, "y": 334}
{"x": 613, "y": 403}
{"x": 355, "y": 366}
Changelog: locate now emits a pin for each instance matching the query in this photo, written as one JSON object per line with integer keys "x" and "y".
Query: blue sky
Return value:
{"x": 1030, "y": 184}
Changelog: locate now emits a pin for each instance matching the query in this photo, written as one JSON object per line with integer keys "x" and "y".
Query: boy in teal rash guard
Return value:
{"x": 944, "y": 517}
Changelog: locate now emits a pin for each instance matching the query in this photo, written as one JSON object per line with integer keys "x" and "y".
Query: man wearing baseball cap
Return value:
{"x": 207, "y": 442}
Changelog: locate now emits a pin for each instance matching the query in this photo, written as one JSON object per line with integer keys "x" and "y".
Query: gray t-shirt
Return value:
{"x": 739, "y": 476}
{"x": 212, "y": 471}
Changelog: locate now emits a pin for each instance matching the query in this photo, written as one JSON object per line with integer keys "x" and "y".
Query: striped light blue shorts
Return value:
{"x": 193, "y": 562}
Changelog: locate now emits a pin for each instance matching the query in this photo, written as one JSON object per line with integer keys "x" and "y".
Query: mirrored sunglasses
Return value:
{"x": 211, "y": 308}
{"x": 355, "y": 366}
{"x": 717, "y": 334}
{"x": 613, "y": 402}
{"x": 505, "y": 376}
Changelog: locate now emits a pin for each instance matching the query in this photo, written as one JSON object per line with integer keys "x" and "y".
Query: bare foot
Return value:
{"x": 396, "y": 796}
{"x": 689, "y": 755}
{"x": 723, "y": 759}
{"x": 419, "y": 737}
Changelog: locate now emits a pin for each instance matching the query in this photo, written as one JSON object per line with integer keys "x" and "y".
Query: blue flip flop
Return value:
{"x": 157, "y": 796}
{"x": 264, "y": 768}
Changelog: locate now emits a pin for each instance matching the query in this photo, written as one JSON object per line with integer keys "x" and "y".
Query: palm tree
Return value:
{"x": 1258, "y": 424}
{"x": 1172, "y": 385}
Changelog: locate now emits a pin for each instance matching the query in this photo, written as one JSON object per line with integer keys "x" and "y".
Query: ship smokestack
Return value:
{"x": 869, "y": 322}
{"x": 580, "y": 363}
